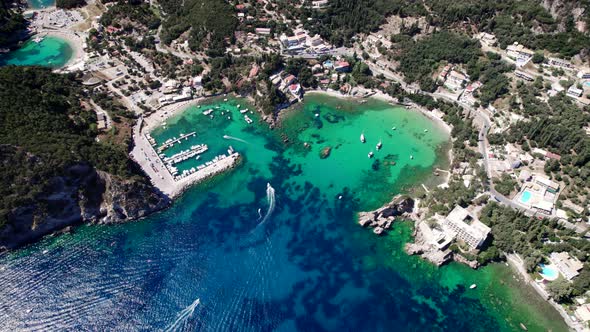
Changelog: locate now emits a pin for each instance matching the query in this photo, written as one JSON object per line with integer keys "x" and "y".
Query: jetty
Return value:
{"x": 185, "y": 155}
{"x": 170, "y": 142}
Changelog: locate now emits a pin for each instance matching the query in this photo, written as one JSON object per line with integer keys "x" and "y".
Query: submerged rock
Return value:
{"x": 325, "y": 153}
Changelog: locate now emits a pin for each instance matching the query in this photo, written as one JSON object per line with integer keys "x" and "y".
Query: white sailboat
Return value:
{"x": 371, "y": 154}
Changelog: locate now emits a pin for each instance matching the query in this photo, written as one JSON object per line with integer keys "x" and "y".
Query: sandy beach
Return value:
{"x": 75, "y": 41}
{"x": 386, "y": 98}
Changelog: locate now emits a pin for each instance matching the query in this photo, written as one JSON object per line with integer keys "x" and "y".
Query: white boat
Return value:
{"x": 371, "y": 154}
{"x": 38, "y": 39}
{"x": 473, "y": 286}
{"x": 425, "y": 130}
{"x": 207, "y": 112}
{"x": 393, "y": 128}
{"x": 317, "y": 114}
{"x": 379, "y": 145}
{"x": 238, "y": 105}
{"x": 363, "y": 140}
{"x": 412, "y": 157}
{"x": 244, "y": 111}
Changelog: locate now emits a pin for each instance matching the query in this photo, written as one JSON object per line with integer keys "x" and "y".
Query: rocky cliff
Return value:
{"x": 81, "y": 194}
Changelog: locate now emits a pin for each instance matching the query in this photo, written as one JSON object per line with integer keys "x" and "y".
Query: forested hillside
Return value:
{"x": 210, "y": 23}
{"x": 525, "y": 21}
{"x": 44, "y": 134}
{"x": 10, "y": 22}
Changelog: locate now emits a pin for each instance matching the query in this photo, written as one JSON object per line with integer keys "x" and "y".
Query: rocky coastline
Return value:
{"x": 382, "y": 218}
{"x": 82, "y": 194}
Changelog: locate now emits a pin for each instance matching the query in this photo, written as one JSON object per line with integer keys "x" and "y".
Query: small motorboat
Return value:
{"x": 393, "y": 128}
{"x": 473, "y": 286}
{"x": 425, "y": 130}
{"x": 363, "y": 140}
{"x": 412, "y": 157}
{"x": 371, "y": 154}
{"x": 379, "y": 145}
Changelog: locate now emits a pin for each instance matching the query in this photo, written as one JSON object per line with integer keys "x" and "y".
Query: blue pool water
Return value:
{"x": 587, "y": 83}
{"x": 526, "y": 196}
{"x": 549, "y": 271}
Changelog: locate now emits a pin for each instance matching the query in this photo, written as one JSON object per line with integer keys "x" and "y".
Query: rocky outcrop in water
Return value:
{"x": 81, "y": 195}
{"x": 325, "y": 152}
{"x": 382, "y": 218}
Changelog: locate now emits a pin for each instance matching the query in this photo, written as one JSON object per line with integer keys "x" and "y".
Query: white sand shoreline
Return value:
{"x": 73, "y": 40}
{"x": 384, "y": 97}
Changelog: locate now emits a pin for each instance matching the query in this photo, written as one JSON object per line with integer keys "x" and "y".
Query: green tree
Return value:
{"x": 560, "y": 290}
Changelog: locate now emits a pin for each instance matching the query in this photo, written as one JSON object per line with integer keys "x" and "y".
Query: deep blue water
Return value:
{"x": 309, "y": 267}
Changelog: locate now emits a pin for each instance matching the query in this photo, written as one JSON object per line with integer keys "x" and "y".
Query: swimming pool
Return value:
{"x": 549, "y": 272}
{"x": 525, "y": 196}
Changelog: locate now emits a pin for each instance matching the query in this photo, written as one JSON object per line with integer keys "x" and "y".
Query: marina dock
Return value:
{"x": 170, "y": 142}
{"x": 185, "y": 155}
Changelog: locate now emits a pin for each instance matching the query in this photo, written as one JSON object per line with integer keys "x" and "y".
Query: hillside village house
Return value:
{"x": 568, "y": 266}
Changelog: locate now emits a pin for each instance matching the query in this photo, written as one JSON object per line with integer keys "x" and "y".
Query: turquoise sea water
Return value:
{"x": 50, "y": 52}
{"x": 38, "y": 4}
{"x": 216, "y": 262}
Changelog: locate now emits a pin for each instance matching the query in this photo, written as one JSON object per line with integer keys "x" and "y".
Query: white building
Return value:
{"x": 466, "y": 227}
{"x": 568, "y": 266}
{"x": 319, "y": 4}
{"x": 574, "y": 92}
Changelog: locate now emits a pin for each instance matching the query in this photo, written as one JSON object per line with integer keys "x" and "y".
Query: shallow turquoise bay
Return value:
{"x": 292, "y": 260}
{"x": 38, "y": 4}
{"x": 50, "y": 52}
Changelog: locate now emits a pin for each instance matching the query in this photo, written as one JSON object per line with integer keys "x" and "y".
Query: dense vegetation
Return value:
{"x": 558, "y": 126}
{"x": 345, "y": 18}
{"x": 10, "y": 23}
{"x": 533, "y": 239}
{"x": 123, "y": 14}
{"x": 210, "y": 22}
{"x": 44, "y": 130}
{"x": 69, "y": 4}
{"x": 418, "y": 60}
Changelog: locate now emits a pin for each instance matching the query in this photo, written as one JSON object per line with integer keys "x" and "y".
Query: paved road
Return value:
{"x": 481, "y": 117}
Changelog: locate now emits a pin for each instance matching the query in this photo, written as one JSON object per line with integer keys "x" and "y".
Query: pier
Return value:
{"x": 170, "y": 143}
{"x": 165, "y": 176}
{"x": 185, "y": 155}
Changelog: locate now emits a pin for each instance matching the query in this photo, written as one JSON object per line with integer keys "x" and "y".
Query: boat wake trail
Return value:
{"x": 270, "y": 197}
{"x": 182, "y": 316}
{"x": 235, "y": 139}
